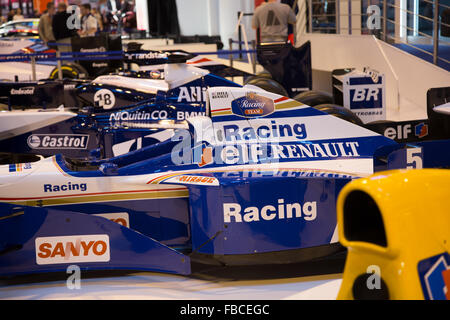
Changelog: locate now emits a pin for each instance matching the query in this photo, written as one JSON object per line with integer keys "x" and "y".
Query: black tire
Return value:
{"x": 70, "y": 71}
{"x": 263, "y": 74}
{"x": 313, "y": 98}
{"x": 269, "y": 85}
{"x": 8, "y": 158}
{"x": 340, "y": 112}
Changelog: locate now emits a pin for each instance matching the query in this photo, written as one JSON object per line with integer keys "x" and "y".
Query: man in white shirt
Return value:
{"x": 89, "y": 25}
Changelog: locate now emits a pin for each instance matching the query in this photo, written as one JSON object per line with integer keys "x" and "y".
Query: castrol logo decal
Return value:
{"x": 72, "y": 249}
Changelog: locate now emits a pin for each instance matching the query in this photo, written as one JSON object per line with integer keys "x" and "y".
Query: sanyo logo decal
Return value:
{"x": 234, "y": 212}
{"x": 70, "y": 249}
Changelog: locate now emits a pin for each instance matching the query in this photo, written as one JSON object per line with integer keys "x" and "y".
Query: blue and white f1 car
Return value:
{"x": 253, "y": 182}
{"x": 124, "y": 112}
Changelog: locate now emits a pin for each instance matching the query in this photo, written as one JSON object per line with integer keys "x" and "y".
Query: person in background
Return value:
{"x": 2, "y": 18}
{"x": 18, "y": 15}
{"x": 103, "y": 10}
{"x": 272, "y": 19}
{"x": 45, "y": 24}
{"x": 61, "y": 30}
{"x": 89, "y": 25}
{"x": 11, "y": 14}
{"x": 110, "y": 9}
{"x": 98, "y": 16}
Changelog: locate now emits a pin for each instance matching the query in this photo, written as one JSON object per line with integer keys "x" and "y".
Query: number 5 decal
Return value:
{"x": 414, "y": 158}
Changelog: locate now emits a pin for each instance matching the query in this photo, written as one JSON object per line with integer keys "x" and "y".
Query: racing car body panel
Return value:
{"x": 257, "y": 179}
{"x": 90, "y": 241}
{"x": 19, "y": 122}
{"x": 74, "y": 136}
{"x": 125, "y": 113}
{"x": 396, "y": 227}
{"x": 177, "y": 82}
{"x": 443, "y": 108}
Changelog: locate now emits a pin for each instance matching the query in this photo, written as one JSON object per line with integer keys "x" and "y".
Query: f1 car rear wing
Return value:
{"x": 436, "y": 126}
{"x": 154, "y": 57}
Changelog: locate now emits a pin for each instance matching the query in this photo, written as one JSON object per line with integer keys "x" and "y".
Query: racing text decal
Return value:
{"x": 233, "y": 212}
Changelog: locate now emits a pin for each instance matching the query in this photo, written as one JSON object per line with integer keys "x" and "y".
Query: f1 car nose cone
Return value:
{"x": 443, "y": 108}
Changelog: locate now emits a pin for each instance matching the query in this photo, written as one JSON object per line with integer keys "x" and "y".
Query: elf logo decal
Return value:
{"x": 59, "y": 141}
{"x": 202, "y": 155}
{"x": 434, "y": 275}
{"x": 192, "y": 94}
{"x": 104, "y": 98}
{"x": 252, "y": 105}
{"x": 233, "y": 212}
{"x": 421, "y": 130}
{"x": 72, "y": 249}
{"x": 401, "y": 132}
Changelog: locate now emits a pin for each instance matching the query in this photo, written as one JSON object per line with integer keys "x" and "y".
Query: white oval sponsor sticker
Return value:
{"x": 34, "y": 141}
{"x": 104, "y": 98}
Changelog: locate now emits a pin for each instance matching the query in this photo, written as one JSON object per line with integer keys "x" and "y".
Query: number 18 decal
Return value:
{"x": 414, "y": 158}
{"x": 105, "y": 98}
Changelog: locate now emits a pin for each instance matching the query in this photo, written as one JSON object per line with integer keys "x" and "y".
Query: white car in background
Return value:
{"x": 26, "y": 28}
{"x": 21, "y": 70}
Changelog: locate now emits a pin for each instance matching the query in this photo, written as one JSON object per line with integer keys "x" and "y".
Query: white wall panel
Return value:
{"x": 214, "y": 17}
